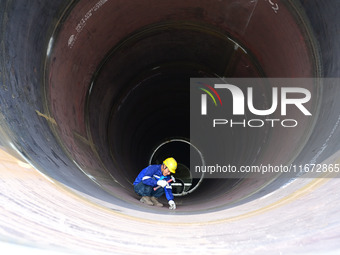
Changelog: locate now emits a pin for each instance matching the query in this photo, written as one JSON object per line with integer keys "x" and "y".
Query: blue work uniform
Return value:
{"x": 150, "y": 175}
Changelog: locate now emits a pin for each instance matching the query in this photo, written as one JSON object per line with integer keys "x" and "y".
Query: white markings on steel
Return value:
{"x": 49, "y": 47}
{"x": 82, "y": 23}
{"x": 274, "y": 5}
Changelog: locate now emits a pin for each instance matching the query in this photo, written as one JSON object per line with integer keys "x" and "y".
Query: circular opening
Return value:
{"x": 180, "y": 149}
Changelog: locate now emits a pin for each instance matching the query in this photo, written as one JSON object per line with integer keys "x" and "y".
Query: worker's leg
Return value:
{"x": 143, "y": 190}
{"x": 157, "y": 193}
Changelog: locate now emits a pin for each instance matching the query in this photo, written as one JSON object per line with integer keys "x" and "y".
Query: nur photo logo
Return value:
{"x": 204, "y": 97}
{"x": 279, "y": 99}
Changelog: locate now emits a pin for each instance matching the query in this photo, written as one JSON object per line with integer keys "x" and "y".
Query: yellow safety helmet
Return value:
{"x": 171, "y": 164}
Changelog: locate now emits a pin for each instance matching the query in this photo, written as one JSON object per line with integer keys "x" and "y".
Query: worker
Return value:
{"x": 154, "y": 176}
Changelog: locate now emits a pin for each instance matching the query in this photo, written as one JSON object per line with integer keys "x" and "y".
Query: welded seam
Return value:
{"x": 251, "y": 15}
{"x": 48, "y": 118}
{"x": 312, "y": 40}
{"x": 46, "y": 111}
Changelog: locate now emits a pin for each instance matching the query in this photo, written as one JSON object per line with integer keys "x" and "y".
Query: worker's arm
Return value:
{"x": 168, "y": 192}
{"x": 147, "y": 179}
{"x": 170, "y": 197}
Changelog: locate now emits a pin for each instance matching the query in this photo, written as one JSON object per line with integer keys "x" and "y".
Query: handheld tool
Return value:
{"x": 172, "y": 179}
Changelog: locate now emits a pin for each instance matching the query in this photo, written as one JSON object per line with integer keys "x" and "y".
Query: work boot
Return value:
{"x": 155, "y": 202}
{"x": 146, "y": 200}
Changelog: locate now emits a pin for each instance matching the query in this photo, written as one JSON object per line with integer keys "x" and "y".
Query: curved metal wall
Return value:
{"x": 87, "y": 92}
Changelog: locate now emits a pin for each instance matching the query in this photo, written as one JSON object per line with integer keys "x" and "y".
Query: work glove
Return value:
{"x": 172, "y": 205}
{"x": 162, "y": 183}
